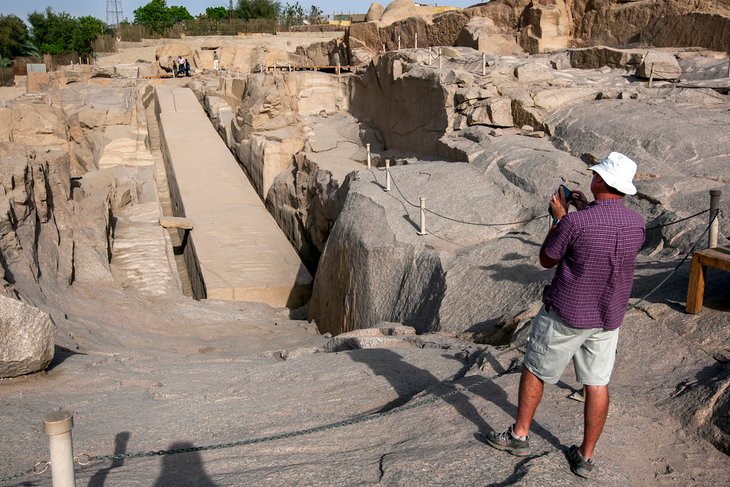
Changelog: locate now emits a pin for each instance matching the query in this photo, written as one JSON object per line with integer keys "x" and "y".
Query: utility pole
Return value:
{"x": 114, "y": 13}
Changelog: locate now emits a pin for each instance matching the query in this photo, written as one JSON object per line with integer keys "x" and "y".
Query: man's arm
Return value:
{"x": 545, "y": 260}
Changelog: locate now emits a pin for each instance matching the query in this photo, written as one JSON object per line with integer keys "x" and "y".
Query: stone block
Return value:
{"x": 663, "y": 65}
{"x": 27, "y": 338}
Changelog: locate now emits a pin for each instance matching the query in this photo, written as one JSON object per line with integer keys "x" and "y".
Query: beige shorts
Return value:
{"x": 553, "y": 343}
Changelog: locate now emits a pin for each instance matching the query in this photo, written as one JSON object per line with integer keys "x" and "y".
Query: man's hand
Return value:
{"x": 558, "y": 204}
{"x": 579, "y": 200}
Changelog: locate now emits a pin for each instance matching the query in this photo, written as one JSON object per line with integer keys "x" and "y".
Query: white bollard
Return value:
{"x": 368, "y": 146}
{"x": 651, "y": 75}
{"x": 423, "y": 217}
{"x": 399, "y": 42}
{"x": 387, "y": 175}
{"x": 338, "y": 68}
{"x": 714, "y": 217}
{"x": 484, "y": 64}
{"x": 57, "y": 425}
{"x": 415, "y": 44}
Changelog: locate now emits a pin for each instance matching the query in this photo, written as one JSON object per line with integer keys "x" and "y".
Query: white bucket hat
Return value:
{"x": 617, "y": 171}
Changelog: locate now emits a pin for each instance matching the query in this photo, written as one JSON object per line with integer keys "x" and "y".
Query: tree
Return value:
{"x": 216, "y": 13}
{"x": 258, "y": 9}
{"x": 291, "y": 15}
{"x": 13, "y": 36}
{"x": 52, "y": 32}
{"x": 315, "y": 15}
{"x": 55, "y": 33}
{"x": 87, "y": 30}
{"x": 158, "y": 16}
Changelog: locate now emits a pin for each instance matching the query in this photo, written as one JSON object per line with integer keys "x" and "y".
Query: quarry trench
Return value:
{"x": 159, "y": 349}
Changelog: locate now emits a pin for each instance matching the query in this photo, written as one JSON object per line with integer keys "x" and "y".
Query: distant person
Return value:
{"x": 180, "y": 65}
{"x": 187, "y": 68}
{"x": 595, "y": 249}
{"x": 216, "y": 66}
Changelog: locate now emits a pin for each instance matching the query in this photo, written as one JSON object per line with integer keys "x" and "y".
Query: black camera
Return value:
{"x": 566, "y": 193}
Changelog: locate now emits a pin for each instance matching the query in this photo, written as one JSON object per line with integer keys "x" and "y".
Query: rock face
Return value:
{"x": 27, "y": 338}
{"x": 266, "y": 127}
{"x": 375, "y": 267}
{"x": 516, "y": 26}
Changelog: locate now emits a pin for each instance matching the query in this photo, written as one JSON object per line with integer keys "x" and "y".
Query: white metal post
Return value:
{"x": 415, "y": 44}
{"x": 387, "y": 175}
{"x": 484, "y": 64}
{"x": 423, "y": 217}
{"x": 368, "y": 146}
{"x": 714, "y": 217}
{"x": 399, "y": 42}
{"x": 651, "y": 75}
{"x": 57, "y": 425}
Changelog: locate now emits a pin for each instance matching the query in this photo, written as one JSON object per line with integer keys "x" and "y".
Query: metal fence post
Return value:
{"x": 714, "y": 217}
{"x": 57, "y": 425}
{"x": 368, "y": 146}
{"x": 387, "y": 175}
{"x": 423, "y": 231}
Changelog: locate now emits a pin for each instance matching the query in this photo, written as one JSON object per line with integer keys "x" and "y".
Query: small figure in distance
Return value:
{"x": 216, "y": 64}
{"x": 180, "y": 65}
{"x": 595, "y": 251}
{"x": 187, "y": 68}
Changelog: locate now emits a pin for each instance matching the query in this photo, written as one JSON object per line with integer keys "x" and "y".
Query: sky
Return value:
{"x": 98, "y": 8}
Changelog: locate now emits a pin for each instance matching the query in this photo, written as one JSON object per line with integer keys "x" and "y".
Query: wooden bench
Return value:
{"x": 719, "y": 258}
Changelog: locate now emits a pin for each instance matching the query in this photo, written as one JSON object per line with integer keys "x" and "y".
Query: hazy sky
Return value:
{"x": 97, "y": 8}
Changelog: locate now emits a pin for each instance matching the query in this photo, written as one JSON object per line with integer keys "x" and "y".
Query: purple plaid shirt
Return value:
{"x": 597, "y": 249}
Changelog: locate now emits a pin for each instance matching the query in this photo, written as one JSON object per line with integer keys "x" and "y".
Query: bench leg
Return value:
{"x": 696, "y": 288}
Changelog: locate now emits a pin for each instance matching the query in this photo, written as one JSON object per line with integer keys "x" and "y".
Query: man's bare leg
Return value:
{"x": 595, "y": 412}
{"x": 530, "y": 395}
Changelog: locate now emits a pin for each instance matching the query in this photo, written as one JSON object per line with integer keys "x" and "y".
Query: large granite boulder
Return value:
{"x": 659, "y": 65}
{"x": 37, "y": 124}
{"x": 375, "y": 12}
{"x": 482, "y": 34}
{"x": 168, "y": 53}
{"x": 27, "y": 338}
{"x": 375, "y": 266}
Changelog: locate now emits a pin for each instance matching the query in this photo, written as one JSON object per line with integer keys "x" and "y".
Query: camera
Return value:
{"x": 566, "y": 193}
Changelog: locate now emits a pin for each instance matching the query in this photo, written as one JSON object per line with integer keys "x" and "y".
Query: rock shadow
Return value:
{"x": 60, "y": 355}
{"x": 183, "y": 469}
{"x": 408, "y": 381}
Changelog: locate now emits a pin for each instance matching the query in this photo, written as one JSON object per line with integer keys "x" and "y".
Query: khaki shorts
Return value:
{"x": 553, "y": 343}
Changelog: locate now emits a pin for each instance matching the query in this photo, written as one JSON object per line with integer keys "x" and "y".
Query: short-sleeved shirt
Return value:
{"x": 597, "y": 250}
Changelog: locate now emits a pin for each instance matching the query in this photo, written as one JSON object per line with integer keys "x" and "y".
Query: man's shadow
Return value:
{"x": 408, "y": 380}
{"x": 120, "y": 447}
{"x": 183, "y": 469}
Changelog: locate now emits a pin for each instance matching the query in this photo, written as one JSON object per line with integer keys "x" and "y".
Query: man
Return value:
{"x": 595, "y": 250}
{"x": 216, "y": 64}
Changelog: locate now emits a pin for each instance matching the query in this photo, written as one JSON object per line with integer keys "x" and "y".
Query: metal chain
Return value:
{"x": 34, "y": 469}
{"x": 308, "y": 431}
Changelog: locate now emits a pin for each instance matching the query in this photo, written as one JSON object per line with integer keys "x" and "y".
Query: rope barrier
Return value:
{"x": 464, "y": 222}
{"x": 86, "y": 459}
{"x": 686, "y": 256}
{"x": 677, "y": 221}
